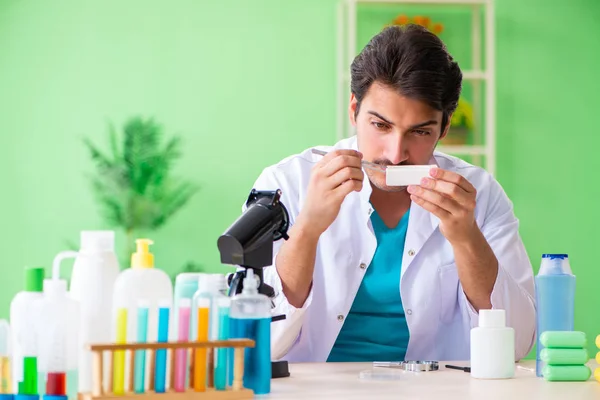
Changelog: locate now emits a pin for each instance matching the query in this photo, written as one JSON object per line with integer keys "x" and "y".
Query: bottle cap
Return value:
{"x": 97, "y": 240}
{"x": 492, "y": 318}
{"x": 555, "y": 264}
{"x": 142, "y": 258}
{"x": 34, "y": 279}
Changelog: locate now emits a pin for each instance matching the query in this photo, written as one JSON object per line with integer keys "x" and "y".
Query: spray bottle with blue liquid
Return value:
{"x": 555, "y": 299}
{"x": 250, "y": 318}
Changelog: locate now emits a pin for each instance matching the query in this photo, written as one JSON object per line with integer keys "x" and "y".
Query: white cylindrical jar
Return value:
{"x": 492, "y": 347}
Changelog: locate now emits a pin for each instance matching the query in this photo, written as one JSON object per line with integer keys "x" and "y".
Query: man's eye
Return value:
{"x": 420, "y": 132}
{"x": 379, "y": 125}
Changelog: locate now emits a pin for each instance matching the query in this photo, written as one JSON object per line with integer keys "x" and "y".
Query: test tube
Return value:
{"x": 200, "y": 356}
{"x": 53, "y": 360}
{"x": 183, "y": 336}
{"x": 160, "y": 368}
{"x": 5, "y": 376}
{"x": 28, "y": 338}
{"x": 221, "y": 320}
{"x": 140, "y": 355}
{"x": 119, "y": 359}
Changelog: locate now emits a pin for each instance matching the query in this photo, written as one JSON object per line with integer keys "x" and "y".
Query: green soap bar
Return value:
{"x": 564, "y": 339}
{"x": 564, "y": 356}
{"x": 566, "y": 373}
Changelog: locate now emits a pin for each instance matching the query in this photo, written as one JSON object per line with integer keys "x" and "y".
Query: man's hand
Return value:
{"x": 451, "y": 198}
{"x": 332, "y": 179}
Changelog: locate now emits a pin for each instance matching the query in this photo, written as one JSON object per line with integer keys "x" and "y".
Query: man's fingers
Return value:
{"x": 347, "y": 187}
{"x": 452, "y": 177}
{"x": 339, "y": 162}
{"x": 445, "y": 203}
{"x": 448, "y": 189}
{"x": 345, "y": 174}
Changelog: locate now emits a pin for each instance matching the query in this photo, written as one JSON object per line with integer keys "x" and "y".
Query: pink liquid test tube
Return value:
{"x": 183, "y": 336}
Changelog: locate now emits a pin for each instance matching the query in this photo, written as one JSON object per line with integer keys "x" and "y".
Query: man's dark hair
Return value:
{"x": 413, "y": 61}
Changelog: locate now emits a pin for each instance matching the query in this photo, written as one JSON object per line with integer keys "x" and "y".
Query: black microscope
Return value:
{"x": 248, "y": 243}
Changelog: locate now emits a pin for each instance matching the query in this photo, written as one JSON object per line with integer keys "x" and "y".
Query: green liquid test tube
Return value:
{"x": 29, "y": 384}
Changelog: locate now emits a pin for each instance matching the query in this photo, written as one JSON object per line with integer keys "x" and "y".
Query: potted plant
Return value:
{"x": 133, "y": 182}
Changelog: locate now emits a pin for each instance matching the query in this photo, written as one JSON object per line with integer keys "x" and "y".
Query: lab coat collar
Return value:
{"x": 421, "y": 224}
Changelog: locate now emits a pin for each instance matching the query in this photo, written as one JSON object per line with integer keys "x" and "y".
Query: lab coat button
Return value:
{"x": 411, "y": 252}
{"x": 409, "y": 311}
{"x": 340, "y": 317}
{"x": 363, "y": 265}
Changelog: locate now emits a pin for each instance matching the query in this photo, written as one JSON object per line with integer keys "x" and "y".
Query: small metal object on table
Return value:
{"x": 412, "y": 366}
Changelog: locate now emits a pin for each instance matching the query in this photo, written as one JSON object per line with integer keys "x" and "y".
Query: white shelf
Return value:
{"x": 475, "y": 75}
{"x": 463, "y": 150}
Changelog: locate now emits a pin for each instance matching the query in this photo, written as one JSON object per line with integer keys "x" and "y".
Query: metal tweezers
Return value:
{"x": 366, "y": 164}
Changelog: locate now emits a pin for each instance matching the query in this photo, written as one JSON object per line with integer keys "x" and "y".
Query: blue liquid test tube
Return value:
{"x": 140, "y": 355}
{"x": 160, "y": 369}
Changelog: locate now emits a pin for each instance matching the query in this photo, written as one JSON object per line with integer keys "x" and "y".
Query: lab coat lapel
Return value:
{"x": 421, "y": 225}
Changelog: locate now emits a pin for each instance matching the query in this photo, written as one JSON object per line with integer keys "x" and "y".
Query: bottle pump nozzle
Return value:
{"x": 142, "y": 258}
{"x": 250, "y": 285}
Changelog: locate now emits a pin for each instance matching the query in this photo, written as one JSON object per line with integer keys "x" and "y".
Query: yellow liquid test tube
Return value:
{"x": 119, "y": 359}
{"x": 5, "y": 377}
{"x": 200, "y": 358}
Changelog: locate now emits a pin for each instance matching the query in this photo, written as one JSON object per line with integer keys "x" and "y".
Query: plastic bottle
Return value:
{"x": 141, "y": 283}
{"x": 23, "y": 322}
{"x": 555, "y": 299}
{"x": 5, "y": 364}
{"x": 58, "y": 325}
{"x": 94, "y": 273}
{"x": 250, "y": 317}
{"x": 492, "y": 347}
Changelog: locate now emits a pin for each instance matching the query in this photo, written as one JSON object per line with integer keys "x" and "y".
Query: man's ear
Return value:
{"x": 352, "y": 109}
{"x": 445, "y": 132}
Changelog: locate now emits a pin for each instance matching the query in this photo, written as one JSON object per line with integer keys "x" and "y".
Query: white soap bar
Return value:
{"x": 404, "y": 175}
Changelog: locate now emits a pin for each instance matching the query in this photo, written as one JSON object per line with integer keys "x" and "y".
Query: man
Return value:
{"x": 372, "y": 272}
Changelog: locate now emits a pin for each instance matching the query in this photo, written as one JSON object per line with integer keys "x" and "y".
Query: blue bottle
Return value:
{"x": 250, "y": 318}
{"x": 555, "y": 299}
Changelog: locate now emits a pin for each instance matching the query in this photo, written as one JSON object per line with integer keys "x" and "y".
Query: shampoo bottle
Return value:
{"x": 142, "y": 283}
{"x": 555, "y": 299}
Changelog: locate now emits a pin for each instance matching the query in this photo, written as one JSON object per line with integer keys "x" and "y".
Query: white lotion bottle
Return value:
{"x": 492, "y": 347}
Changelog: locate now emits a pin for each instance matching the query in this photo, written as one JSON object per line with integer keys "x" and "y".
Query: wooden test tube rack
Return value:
{"x": 237, "y": 391}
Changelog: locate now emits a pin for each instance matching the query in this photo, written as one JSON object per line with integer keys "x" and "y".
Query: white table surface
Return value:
{"x": 341, "y": 381}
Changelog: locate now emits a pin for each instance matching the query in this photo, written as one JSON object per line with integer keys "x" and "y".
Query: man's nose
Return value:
{"x": 396, "y": 150}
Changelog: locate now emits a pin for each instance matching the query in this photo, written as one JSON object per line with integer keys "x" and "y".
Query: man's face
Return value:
{"x": 394, "y": 130}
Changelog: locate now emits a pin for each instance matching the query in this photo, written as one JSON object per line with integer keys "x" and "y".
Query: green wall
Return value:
{"x": 249, "y": 82}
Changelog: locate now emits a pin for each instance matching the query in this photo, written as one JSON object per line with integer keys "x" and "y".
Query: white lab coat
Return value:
{"x": 438, "y": 314}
